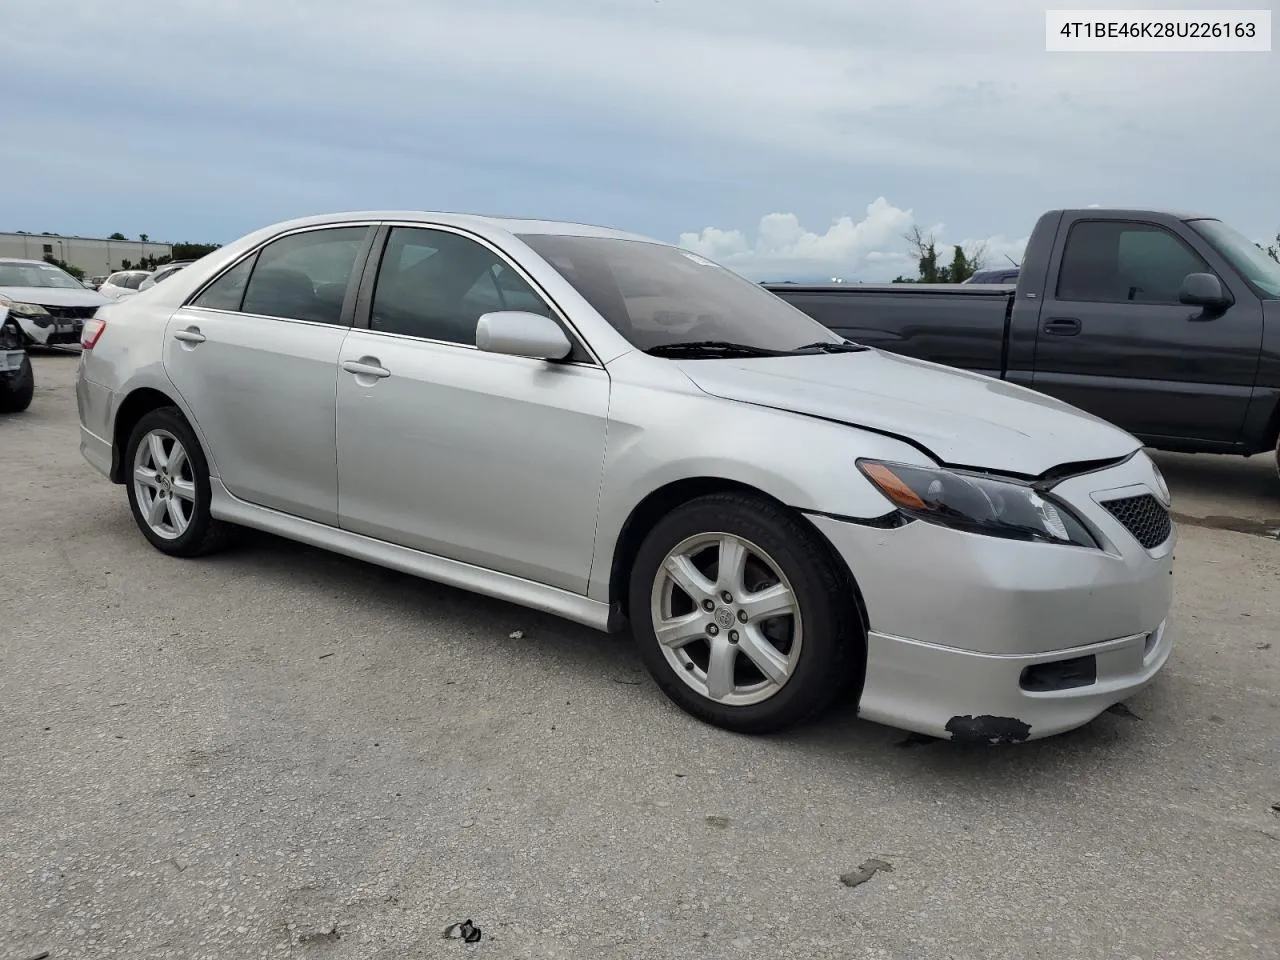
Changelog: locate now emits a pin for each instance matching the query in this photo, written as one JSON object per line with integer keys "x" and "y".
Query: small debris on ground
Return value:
{"x": 867, "y": 870}
{"x": 325, "y": 655}
{"x": 516, "y": 635}
{"x": 324, "y": 936}
{"x": 40, "y": 956}
{"x": 1264, "y": 646}
{"x": 1121, "y": 710}
{"x": 466, "y": 931}
{"x": 1275, "y": 807}
{"x": 1214, "y": 718}
{"x": 629, "y": 683}
{"x": 715, "y": 820}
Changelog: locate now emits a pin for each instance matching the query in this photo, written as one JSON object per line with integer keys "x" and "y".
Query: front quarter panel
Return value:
{"x": 663, "y": 430}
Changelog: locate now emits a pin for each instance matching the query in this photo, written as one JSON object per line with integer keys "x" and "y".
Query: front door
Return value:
{"x": 488, "y": 459}
{"x": 255, "y": 357}
{"x": 1114, "y": 340}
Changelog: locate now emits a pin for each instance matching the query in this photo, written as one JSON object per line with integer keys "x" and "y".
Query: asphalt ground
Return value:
{"x": 278, "y": 752}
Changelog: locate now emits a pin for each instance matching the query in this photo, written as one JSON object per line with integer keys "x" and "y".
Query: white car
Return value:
{"x": 163, "y": 273}
{"x": 123, "y": 283}
{"x": 49, "y": 304}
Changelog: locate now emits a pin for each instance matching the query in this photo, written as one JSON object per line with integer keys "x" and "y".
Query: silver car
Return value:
{"x": 623, "y": 433}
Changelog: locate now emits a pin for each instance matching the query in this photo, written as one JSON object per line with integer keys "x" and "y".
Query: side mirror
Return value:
{"x": 520, "y": 334}
{"x": 1204, "y": 290}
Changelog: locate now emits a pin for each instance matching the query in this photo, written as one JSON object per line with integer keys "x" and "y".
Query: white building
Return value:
{"x": 94, "y": 256}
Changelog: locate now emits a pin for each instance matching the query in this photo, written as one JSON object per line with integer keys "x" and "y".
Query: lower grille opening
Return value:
{"x": 1060, "y": 674}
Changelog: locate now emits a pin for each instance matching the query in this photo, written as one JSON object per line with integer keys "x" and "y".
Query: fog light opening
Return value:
{"x": 1060, "y": 674}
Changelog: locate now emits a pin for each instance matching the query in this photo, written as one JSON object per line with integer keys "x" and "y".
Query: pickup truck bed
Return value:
{"x": 1166, "y": 324}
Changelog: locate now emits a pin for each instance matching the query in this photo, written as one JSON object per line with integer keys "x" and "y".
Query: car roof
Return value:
{"x": 44, "y": 263}
{"x": 479, "y": 222}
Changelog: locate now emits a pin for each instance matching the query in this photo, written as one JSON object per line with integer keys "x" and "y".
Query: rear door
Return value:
{"x": 255, "y": 353}
{"x": 1114, "y": 340}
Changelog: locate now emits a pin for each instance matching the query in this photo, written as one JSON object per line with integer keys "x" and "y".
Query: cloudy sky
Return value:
{"x": 796, "y": 138}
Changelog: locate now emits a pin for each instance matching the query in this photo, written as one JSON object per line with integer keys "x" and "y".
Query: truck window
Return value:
{"x": 1119, "y": 261}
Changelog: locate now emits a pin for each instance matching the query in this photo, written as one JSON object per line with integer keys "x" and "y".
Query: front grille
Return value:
{"x": 1144, "y": 517}
{"x": 71, "y": 313}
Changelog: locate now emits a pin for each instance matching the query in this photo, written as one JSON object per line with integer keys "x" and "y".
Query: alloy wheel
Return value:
{"x": 163, "y": 484}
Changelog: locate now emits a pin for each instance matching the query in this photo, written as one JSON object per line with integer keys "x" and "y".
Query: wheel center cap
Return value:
{"x": 724, "y": 618}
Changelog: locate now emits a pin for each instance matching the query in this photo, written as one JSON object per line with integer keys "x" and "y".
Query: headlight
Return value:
{"x": 977, "y": 504}
{"x": 24, "y": 309}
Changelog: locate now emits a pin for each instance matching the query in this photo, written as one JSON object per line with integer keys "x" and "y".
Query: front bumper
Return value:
{"x": 957, "y": 619}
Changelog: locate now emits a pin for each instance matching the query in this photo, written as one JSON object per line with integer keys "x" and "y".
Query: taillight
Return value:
{"x": 91, "y": 333}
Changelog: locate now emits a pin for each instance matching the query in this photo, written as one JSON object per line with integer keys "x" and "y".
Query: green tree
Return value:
{"x": 964, "y": 263}
{"x": 117, "y": 236}
{"x": 62, "y": 264}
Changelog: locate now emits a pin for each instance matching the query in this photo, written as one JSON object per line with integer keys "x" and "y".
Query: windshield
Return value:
{"x": 15, "y": 274}
{"x": 654, "y": 294}
{"x": 1243, "y": 254}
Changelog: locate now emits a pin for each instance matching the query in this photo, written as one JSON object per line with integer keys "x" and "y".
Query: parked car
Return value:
{"x": 48, "y": 304}
{"x": 17, "y": 380}
{"x": 163, "y": 273}
{"x": 1165, "y": 324}
{"x": 620, "y": 432}
{"x": 123, "y": 283}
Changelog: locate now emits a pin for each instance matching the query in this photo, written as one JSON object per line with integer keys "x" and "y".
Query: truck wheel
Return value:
{"x": 16, "y": 392}
{"x": 741, "y": 617}
{"x": 168, "y": 486}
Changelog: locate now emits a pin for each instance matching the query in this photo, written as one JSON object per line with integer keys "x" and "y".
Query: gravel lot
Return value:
{"x": 278, "y": 752}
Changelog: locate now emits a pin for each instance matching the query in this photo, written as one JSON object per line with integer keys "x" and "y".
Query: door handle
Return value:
{"x": 366, "y": 367}
{"x": 1062, "y": 326}
{"x": 190, "y": 335}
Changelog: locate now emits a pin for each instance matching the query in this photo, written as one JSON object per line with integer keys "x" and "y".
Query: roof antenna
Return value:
{"x": 1013, "y": 261}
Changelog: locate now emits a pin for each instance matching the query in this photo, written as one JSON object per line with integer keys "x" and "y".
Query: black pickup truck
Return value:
{"x": 1166, "y": 324}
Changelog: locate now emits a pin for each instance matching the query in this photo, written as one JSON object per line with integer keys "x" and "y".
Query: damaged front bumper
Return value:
{"x": 978, "y": 639}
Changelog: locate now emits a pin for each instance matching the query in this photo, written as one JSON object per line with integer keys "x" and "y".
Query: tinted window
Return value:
{"x": 1118, "y": 261}
{"x": 436, "y": 284}
{"x": 304, "y": 276}
{"x": 657, "y": 294}
{"x": 133, "y": 280}
{"x": 227, "y": 291}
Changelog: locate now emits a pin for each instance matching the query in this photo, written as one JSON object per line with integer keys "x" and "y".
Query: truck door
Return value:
{"x": 1114, "y": 340}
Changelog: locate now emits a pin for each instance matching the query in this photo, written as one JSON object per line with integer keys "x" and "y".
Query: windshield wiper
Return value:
{"x": 722, "y": 348}
{"x": 828, "y": 346}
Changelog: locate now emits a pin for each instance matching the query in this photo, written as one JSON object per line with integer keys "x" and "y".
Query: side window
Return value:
{"x": 304, "y": 276}
{"x": 435, "y": 284}
{"x": 134, "y": 280}
{"x": 227, "y": 291}
{"x": 1116, "y": 261}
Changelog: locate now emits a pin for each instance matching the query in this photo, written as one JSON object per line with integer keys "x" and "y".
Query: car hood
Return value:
{"x": 54, "y": 296}
{"x": 961, "y": 418}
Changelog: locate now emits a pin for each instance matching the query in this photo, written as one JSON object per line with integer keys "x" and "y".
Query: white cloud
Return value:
{"x": 873, "y": 248}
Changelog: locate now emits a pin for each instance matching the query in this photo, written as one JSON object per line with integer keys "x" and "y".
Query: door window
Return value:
{"x": 304, "y": 276}
{"x": 227, "y": 292}
{"x": 1115, "y": 261}
{"x": 436, "y": 285}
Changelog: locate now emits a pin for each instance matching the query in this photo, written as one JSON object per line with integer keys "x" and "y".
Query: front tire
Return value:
{"x": 741, "y": 616}
{"x": 16, "y": 392}
{"x": 168, "y": 483}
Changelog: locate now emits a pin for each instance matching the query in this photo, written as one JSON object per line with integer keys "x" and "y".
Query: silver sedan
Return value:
{"x": 621, "y": 432}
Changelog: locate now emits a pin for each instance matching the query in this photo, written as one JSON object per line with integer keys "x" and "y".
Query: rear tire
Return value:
{"x": 167, "y": 479}
{"x": 770, "y": 641}
{"x": 16, "y": 392}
